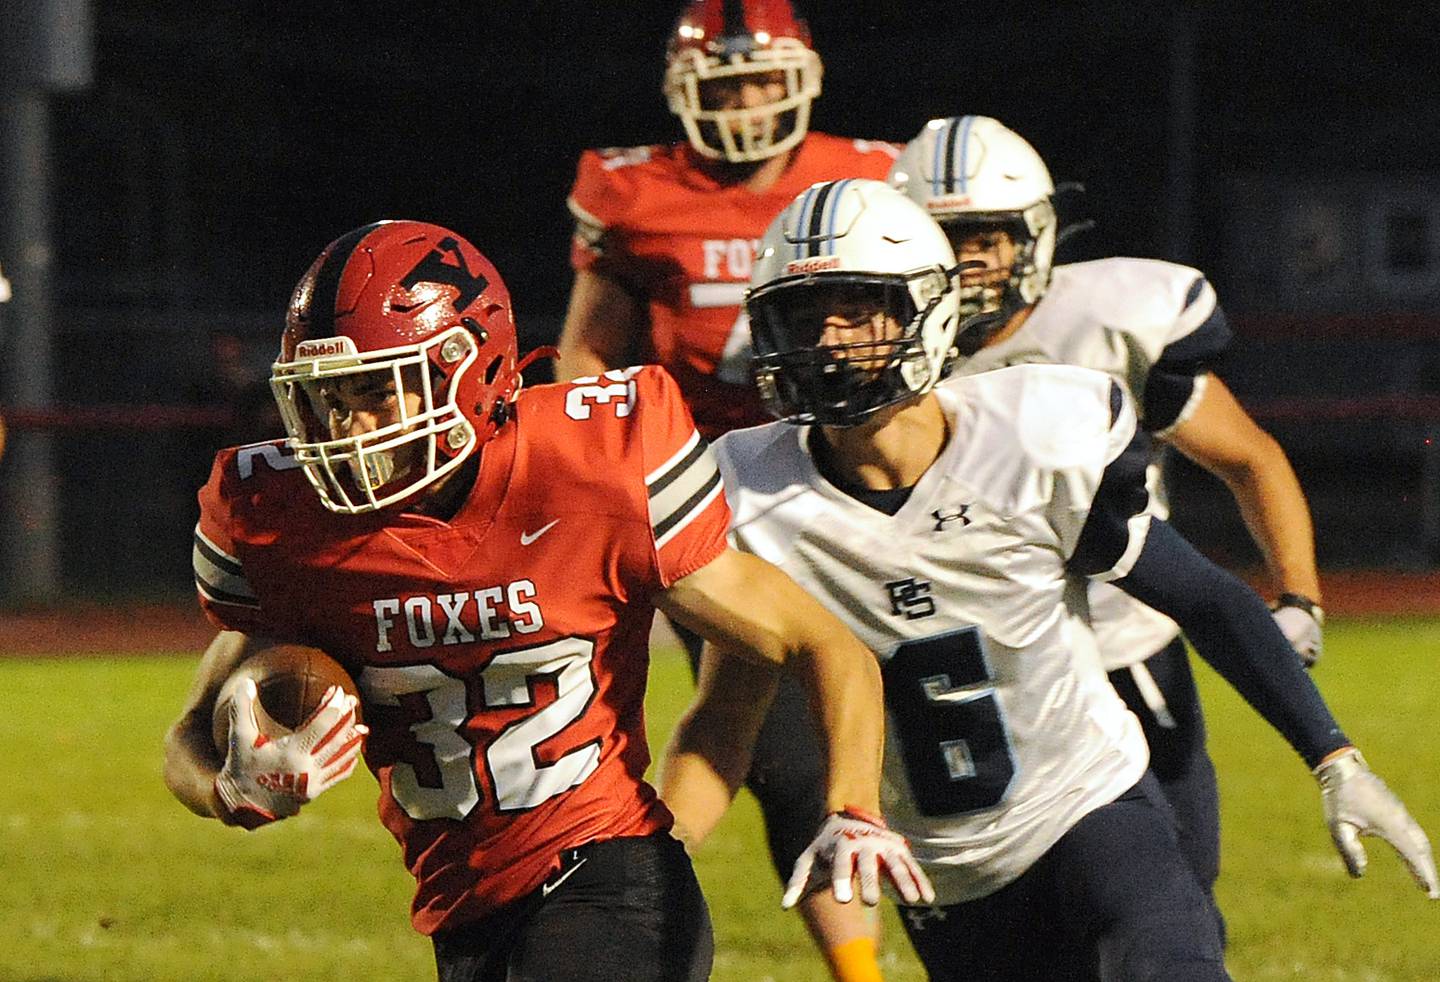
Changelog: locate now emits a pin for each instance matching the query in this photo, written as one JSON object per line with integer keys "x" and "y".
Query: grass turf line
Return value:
{"x": 107, "y": 878}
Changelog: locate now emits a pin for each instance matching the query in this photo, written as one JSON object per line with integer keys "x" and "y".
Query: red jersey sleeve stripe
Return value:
{"x": 582, "y": 215}
{"x": 219, "y": 576}
{"x": 681, "y": 487}
{"x": 689, "y": 511}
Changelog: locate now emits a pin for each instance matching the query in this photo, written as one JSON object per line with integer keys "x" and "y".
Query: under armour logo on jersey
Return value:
{"x": 943, "y": 517}
{"x": 910, "y": 598}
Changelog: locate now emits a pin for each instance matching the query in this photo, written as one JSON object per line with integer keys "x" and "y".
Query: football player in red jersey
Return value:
{"x": 486, "y": 563}
{"x": 664, "y": 241}
{"x": 665, "y": 235}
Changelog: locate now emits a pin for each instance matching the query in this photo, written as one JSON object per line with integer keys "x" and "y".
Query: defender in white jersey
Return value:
{"x": 962, "y": 593}
{"x": 1157, "y": 329}
{"x": 945, "y": 526}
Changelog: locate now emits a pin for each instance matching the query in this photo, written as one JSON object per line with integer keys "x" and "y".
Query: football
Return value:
{"x": 290, "y": 680}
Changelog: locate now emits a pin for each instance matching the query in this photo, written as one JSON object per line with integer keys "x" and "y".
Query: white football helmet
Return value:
{"x": 851, "y": 250}
{"x": 720, "y": 42}
{"x": 972, "y": 173}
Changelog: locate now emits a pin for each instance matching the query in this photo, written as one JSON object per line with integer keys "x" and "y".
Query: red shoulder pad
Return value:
{"x": 638, "y": 420}
{"x": 827, "y": 157}
{"x": 238, "y": 481}
{"x": 689, "y": 516}
{"x": 603, "y": 194}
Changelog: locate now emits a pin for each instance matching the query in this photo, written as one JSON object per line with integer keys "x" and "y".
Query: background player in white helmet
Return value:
{"x": 664, "y": 243}
{"x": 944, "y": 525}
{"x": 1156, "y": 328}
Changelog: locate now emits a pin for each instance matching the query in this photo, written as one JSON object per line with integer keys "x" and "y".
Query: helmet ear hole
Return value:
{"x": 493, "y": 369}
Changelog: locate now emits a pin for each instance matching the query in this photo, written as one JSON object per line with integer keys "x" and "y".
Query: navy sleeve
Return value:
{"x": 1171, "y": 380}
{"x": 1121, "y": 496}
{"x": 1233, "y": 630}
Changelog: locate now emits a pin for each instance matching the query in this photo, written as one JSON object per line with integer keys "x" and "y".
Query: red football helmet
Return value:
{"x": 412, "y": 318}
{"x": 718, "y": 46}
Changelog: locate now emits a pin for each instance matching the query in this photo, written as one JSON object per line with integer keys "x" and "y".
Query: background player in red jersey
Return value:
{"x": 665, "y": 235}
{"x": 486, "y": 564}
{"x": 664, "y": 241}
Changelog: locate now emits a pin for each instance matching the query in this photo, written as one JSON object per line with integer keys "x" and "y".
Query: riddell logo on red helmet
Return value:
{"x": 324, "y": 348}
{"x": 812, "y": 265}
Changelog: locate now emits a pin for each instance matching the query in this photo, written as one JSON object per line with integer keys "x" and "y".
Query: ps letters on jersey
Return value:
{"x": 487, "y": 614}
{"x": 911, "y": 597}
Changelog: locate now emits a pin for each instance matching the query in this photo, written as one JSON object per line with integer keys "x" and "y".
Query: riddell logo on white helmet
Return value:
{"x": 815, "y": 265}
{"x": 324, "y": 348}
{"x": 949, "y": 202}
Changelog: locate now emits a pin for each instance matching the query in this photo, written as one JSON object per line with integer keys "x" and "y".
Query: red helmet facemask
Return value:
{"x": 397, "y": 361}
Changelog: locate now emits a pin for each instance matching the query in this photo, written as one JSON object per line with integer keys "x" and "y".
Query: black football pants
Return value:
{"x": 626, "y": 908}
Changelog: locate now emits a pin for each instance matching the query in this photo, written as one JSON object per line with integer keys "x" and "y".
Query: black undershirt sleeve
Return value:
{"x": 1233, "y": 630}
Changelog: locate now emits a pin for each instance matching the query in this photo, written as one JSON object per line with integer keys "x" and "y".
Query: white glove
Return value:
{"x": 851, "y": 842}
{"x": 1300, "y": 620}
{"x": 1358, "y": 803}
{"x": 265, "y": 779}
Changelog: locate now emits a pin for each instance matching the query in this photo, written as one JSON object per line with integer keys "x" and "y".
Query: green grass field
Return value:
{"x": 104, "y": 877}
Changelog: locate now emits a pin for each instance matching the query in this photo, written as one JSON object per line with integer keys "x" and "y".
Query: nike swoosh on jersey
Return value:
{"x": 547, "y": 888}
{"x": 528, "y": 537}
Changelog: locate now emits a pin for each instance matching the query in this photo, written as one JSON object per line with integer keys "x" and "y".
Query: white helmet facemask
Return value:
{"x": 694, "y": 80}
{"x": 423, "y": 435}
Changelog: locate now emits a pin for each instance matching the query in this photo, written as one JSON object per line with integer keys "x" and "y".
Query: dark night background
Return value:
{"x": 221, "y": 146}
{"x": 249, "y": 135}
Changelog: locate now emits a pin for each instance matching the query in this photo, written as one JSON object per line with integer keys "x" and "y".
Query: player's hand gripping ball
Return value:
{"x": 288, "y": 722}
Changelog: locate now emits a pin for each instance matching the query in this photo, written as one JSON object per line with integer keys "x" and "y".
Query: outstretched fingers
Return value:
{"x": 909, "y": 879}
{"x": 799, "y": 879}
{"x": 1413, "y": 846}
